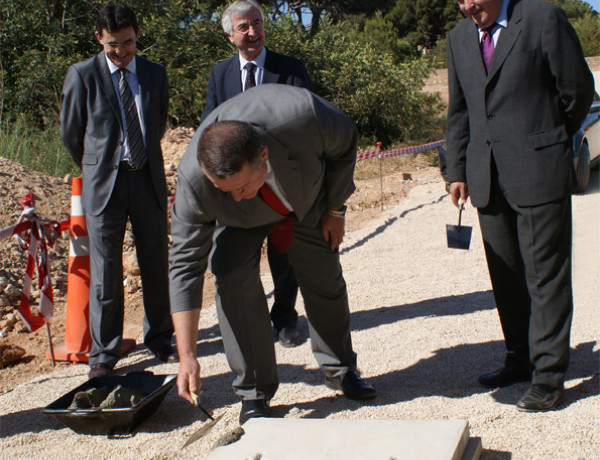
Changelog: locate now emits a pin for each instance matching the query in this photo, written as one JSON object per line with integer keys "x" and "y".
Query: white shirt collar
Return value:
{"x": 131, "y": 67}
{"x": 259, "y": 61}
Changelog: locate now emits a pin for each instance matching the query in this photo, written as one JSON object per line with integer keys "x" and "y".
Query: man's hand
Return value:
{"x": 186, "y": 331}
{"x": 188, "y": 379}
{"x": 333, "y": 229}
{"x": 459, "y": 191}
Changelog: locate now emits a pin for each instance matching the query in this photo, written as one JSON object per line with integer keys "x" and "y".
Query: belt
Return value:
{"x": 124, "y": 166}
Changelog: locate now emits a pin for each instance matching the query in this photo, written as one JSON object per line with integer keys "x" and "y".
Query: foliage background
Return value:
{"x": 369, "y": 58}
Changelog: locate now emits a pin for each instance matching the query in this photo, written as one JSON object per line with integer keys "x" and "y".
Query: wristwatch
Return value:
{"x": 341, "y": 213}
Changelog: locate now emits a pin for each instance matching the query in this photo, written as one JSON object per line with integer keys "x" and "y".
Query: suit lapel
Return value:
{"x": 107, "y": 85}
{"x": 507, "y": 40}
{"x": 268, "y": 73}
{"x": 288, "y": 174}
{"x": 470, "y": 45}
{"x": 233, "y": 78}
{"x": 145, "y": 82}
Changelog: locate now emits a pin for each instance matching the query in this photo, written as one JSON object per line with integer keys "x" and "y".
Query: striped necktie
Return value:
{"x": 137, "y": 149}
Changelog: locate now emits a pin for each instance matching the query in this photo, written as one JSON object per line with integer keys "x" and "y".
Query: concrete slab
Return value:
{"x": 270, "y": 439}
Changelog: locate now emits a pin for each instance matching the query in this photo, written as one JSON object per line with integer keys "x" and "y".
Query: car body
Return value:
{"x": 585, "y": 146}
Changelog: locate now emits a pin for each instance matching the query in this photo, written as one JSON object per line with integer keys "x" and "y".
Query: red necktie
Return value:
{"x": 283, "y": 233}
{"x": 487, "y": 47}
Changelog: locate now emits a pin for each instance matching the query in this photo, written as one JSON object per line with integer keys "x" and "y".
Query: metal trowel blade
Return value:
{"x": 204, "y": 429}
{"x": 459, "y": 237}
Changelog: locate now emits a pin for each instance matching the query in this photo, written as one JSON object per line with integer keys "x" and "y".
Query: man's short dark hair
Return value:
{"x": 114, "y": 17}
{"x": 226, "y": 146}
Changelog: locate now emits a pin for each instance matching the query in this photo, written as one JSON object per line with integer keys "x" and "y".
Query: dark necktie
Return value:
{"x": 250, "y": 81}
{"x": 137, "y": 150}
{"x": 283, "y": 233}
{"x": 487, "y": 46}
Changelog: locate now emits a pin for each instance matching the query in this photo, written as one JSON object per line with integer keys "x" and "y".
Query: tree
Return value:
{"x": 424, "y": 22}
{"x": 588, "y": 31}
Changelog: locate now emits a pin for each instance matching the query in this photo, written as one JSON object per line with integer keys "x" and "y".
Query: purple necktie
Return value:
{"x": 487, "y": 47}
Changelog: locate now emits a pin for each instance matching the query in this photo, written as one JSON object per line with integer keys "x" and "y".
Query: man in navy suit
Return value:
{"x": 519, "y": 89}
{"x": 243, "y": 24}
{"x": 123, "y": 179}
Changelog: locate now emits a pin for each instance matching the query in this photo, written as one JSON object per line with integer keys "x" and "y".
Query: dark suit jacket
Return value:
{"x": 312, "y": 150}
{"x": 225, "y": 81}
{"x": 534, "y": 98}
{"x": 92, "y": 131}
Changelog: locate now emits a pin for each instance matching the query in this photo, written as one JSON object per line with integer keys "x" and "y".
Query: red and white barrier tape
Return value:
{"x": 397, "y": 152}
{"x": 30, "y": 233}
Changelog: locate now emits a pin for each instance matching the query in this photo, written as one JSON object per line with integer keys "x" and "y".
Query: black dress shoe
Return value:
{"x": 540, "y": 398}
{"x": 504, "y": 377}
{"x": 166, "y": 354}
{"x": 99, "y": 370}
{"x": 254, "y": 408}
{"x": 289, "y": 337}
{"x": 352, "y": 385}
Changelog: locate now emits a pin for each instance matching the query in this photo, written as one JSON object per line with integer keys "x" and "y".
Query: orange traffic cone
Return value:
{"x": 78, "y": 340}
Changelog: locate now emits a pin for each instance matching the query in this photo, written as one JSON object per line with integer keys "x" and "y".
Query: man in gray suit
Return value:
{"x": 304, "y": 149}
{"x": 243, "y": 24}
{"x": 519, "y": 89}
{"x": 113, "y": 116}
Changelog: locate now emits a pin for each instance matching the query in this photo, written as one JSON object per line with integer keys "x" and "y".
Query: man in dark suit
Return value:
{"x": 519, "y": 89}
{"x": 243, "y": 24}
{"x": 304, "y": 149}
{"x": 113, "y": 116}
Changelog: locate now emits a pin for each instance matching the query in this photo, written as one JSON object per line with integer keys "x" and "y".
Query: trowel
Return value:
{"x": 459, "y": 237}
{"x": 204, "y": 429}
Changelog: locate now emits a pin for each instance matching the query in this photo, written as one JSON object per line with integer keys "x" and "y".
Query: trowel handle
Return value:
{"x": 461, "y": 206}
{"x": 197, "y": 402}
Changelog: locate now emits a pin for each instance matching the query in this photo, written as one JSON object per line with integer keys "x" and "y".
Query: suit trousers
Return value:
{"x": 243, "y": 311}
{"x": 285, "y": 290}
{"x": 528, "y": 251}
{"x": 133, "y": 198}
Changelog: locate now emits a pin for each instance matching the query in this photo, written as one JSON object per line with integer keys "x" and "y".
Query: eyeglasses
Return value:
{"x": 244, "y": 28}
{"x": 126, "y": 44}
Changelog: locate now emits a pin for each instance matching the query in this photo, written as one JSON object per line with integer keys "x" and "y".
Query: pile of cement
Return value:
{"x": 105, "y": 398}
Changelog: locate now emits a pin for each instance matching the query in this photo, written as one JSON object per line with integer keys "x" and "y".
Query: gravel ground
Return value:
{"x": 424, "y": 327}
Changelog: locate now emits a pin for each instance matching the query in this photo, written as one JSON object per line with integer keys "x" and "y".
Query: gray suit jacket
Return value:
{"x": 312, "y": 150}
{"x": 534, "y": 98}
{"x": 92, "y": 131}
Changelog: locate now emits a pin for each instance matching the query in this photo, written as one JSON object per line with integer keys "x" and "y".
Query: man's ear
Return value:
{"x": 98, "y": 37}
{"x": 264, "y": 154}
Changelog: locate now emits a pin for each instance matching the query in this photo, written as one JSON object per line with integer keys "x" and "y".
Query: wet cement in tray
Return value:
{"x": 106, "y": 398}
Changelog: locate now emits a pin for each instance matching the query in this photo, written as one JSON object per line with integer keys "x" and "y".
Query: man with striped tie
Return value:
{"x": 113, "y": 116}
